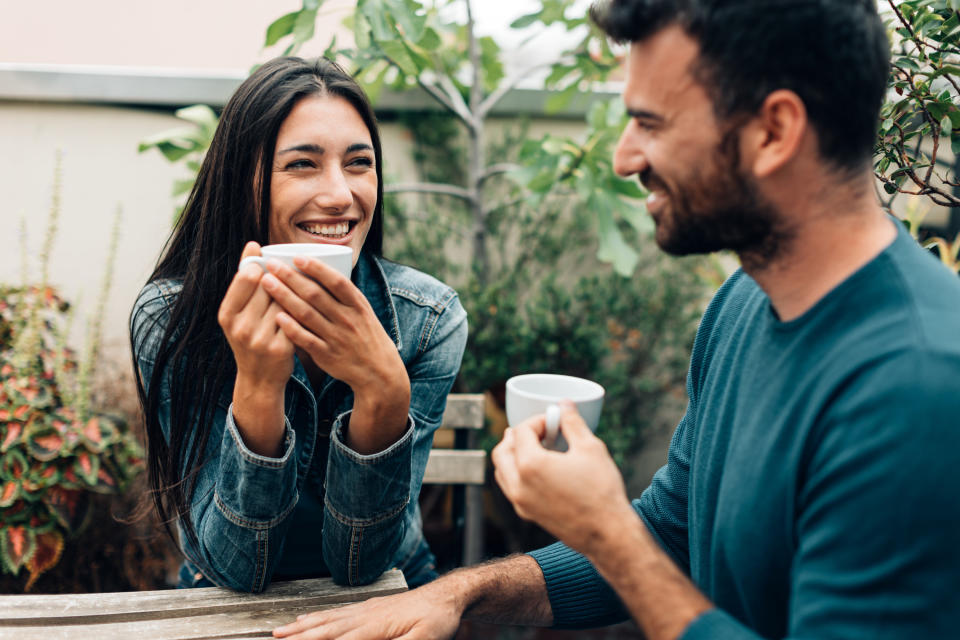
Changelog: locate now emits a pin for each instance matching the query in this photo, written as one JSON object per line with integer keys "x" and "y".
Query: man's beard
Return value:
{"x": 716, "y": 209}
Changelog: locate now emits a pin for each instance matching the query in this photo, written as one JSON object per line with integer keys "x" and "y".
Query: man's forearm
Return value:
{"x": 658, "y": 595}
{"x": 508, "y": 591}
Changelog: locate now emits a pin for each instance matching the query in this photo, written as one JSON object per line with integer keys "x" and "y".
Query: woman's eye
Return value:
{"x": 300, "y": 164}
{"x": 362, "y": 161}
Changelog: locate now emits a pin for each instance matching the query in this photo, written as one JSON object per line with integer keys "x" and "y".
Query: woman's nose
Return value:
{"x": 333, "y": 191}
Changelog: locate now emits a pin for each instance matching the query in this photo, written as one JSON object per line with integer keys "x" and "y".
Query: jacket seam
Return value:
{"x": 260, "y": 571}
{"x": 437, "y": 305}
{"x": 247, "y": 523}
{"x": 365, "y": 522}
{"x": 427, "y": 334}
{"x": 356, "y": 538}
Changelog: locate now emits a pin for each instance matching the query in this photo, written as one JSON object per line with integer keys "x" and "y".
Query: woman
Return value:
{"x": 289, "y": 418}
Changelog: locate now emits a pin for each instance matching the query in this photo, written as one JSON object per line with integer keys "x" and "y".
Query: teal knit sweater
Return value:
{"x": 811, "y": 488}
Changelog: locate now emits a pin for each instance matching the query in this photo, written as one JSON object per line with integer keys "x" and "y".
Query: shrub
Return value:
{"x": 54, "y": 449}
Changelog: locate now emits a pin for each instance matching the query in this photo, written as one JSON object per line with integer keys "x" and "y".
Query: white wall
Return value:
{"x": 101, "y": 170}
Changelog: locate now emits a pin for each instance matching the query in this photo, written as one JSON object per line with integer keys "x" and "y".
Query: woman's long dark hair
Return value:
{"x": 228, "y": 206}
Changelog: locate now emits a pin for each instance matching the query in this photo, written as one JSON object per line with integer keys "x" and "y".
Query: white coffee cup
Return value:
{"x": 539, "y": 393}
{"x": 335, "y": 255}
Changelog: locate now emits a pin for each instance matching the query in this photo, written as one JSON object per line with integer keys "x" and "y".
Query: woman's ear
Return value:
{"x": 775, "y": 135}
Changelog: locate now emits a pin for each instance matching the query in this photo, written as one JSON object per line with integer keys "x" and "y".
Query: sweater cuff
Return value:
{"x": 579, "y": 596}
{"x": 362, "y": 490}
{"x": 255, "y": 491}
{"x": 717, "y": 625}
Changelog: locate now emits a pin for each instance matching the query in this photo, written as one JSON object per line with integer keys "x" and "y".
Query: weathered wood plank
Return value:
{"x": 464, "y": 411}
{"x": 451, "y": 466}
{"x": 244, "y": 623}
{"x": 106, "y": 609}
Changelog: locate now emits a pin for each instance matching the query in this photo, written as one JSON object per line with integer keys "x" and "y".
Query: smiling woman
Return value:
{"x": 290, "y": 412}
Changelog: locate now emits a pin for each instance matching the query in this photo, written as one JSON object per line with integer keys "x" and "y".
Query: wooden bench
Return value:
{"x": 178, "y": 614}
{"x": 464, "y": 467}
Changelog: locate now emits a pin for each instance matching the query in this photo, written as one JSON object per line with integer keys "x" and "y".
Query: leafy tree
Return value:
{"x": 919, "y": 136}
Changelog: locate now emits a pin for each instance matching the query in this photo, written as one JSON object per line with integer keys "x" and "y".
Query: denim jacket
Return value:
{"x": 321, "y": 508}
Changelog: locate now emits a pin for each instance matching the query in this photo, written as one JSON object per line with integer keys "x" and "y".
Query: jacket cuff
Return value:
{"x": 363, "y": 490}
{"x": 255, "y": 491}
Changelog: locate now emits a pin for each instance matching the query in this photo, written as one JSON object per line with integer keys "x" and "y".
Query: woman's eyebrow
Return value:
{"x": 317, "y": 149}
{"x": 308, "y": 148}
{"x": 359, "y": 146}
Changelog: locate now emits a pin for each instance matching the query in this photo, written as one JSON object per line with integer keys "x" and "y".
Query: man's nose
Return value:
{"x": 333, "y": 191}
{"x": 629, "y": 158}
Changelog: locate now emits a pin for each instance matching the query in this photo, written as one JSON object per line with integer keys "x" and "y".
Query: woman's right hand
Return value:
{"x": 264, "y": 357}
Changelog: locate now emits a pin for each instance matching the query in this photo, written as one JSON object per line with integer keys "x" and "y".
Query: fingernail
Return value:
{"x": 300, "y": 261}
{"x": 269, "y": 281}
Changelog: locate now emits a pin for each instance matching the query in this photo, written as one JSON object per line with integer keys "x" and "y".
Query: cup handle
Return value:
{"x": 259, "y": 260}
{"x": 553, "y": 425}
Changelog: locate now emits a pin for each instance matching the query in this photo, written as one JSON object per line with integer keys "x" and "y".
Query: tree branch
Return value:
{"x": 497, "y": 169}
{"x": 430, "y": 187}
{"x": 509, "y": 85}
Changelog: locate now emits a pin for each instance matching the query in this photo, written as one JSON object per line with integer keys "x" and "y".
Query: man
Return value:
{"x": 810, "y": 490}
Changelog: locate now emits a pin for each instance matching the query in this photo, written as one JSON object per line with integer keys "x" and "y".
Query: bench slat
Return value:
{"x": 454, "y": 466}
{"x": 244, "y": 623}
{"x": 464, "y": 411}
{"x": 96, "y": 614}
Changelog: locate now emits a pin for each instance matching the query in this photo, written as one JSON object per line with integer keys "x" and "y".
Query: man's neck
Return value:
{"x": 825, "y": 243}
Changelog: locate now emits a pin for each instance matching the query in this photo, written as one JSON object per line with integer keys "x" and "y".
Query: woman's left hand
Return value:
{"x": 332, "y": 321}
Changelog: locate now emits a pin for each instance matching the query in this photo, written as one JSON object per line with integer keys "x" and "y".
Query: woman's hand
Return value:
{"x": 331, "y": 320}
{"x": 264, "y": 357}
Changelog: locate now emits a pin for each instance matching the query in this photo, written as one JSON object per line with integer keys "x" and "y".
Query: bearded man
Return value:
{"x": 811, "y": 486}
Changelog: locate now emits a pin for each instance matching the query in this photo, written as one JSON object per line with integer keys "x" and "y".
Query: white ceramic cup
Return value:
{"x": 539, "y": 393}
{"x": 335, "y": 255}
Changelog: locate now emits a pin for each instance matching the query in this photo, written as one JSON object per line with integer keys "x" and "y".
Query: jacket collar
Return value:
{"x": 370, "y": 278}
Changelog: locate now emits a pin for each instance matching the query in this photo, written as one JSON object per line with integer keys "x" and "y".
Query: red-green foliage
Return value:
{"x": 54, "y": 451}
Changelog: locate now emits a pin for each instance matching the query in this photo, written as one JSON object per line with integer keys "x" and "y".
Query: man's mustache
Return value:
{"x": 651, "y": 181}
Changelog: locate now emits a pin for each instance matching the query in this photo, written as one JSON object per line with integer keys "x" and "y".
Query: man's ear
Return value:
{"x": 775, "y": 135}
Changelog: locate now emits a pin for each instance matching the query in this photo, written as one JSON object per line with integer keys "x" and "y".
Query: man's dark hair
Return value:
{"x": 834, "y": 54}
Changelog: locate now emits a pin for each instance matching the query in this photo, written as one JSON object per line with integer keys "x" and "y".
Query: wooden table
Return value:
{"x": 178, "y": 614}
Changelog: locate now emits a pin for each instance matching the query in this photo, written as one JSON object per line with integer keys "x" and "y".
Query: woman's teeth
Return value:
{"x": 337, "y": 230}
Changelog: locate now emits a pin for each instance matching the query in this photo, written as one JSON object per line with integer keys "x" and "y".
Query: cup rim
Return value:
{"x": 596, "y": 390}
{"x": 308, "y": 249}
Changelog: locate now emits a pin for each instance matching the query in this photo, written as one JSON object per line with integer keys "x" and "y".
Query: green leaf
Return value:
{"x": 430, "y": 41}
{"x": 612, "y": 248}
{"x": 627, "y": 188}
{"x": 558, "y": 101}
{"x": 17, "y": 544}
{"x": 946, "y": 126}
{"x": 304, "y": 26}
{"x": 397, "y": 52}
{"x": 181, "y": 187}
{"x": 376, "y": 15}
{"x": 280, "y": 27}
{"x": 405, "y": 16}
{"x": 525, "y": 21}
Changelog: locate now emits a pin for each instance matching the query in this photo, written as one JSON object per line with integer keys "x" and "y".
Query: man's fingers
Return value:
{"x": 505, "y": 465}
{"x": 572, "y": 426}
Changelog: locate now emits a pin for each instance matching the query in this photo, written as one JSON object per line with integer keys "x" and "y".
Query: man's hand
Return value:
{"x": 576, "y": 495}
{"x": 507, "y": 591}
{"x": 421, "y": 614}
